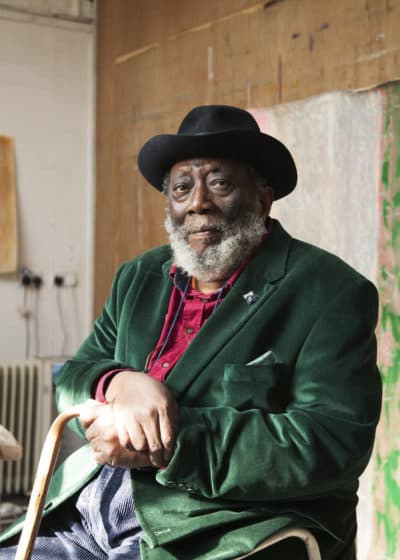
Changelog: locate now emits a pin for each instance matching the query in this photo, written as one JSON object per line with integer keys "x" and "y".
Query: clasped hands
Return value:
{"x": 137, "y": 425}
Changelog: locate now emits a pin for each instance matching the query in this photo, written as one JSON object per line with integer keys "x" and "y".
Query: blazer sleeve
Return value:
{"x": 320, "y": 443}
{"x": 96, "y": 356}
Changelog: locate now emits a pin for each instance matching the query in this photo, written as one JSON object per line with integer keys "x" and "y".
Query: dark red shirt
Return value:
{"x": 188, "y": 310}
{"x": 189, "y": 316}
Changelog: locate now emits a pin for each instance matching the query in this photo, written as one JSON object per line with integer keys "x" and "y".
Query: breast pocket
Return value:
{"x": 260, "y": 386}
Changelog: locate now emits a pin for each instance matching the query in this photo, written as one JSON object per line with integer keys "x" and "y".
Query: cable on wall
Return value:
{"x": 36, "y": 283}
{"x": 28, "y": 310}
{"x": 59, "y": 282}
{"x": 26, "y": 317}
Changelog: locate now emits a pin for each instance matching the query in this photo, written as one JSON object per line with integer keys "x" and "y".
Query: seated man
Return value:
{"x": 235, "y": 381}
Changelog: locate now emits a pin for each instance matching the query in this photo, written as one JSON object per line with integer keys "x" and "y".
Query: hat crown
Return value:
{"x": 211, "y": 119}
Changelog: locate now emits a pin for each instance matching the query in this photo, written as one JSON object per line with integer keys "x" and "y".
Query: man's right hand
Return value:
{"x": 143, "y": 421}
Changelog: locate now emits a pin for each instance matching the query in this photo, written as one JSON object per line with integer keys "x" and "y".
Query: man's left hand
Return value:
{"x": 99, "y": 423}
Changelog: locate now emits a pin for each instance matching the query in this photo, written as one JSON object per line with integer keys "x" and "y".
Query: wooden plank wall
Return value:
{"x": 159, "y": 58}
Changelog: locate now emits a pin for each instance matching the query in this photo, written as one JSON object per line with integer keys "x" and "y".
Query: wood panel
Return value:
{"x": 8, "y": 207}
{"x": 159, "y": 58}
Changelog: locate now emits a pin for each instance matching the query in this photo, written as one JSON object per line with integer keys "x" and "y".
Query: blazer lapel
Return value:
{"x": 260, "y": 276}
{"x": 145, "y": 320}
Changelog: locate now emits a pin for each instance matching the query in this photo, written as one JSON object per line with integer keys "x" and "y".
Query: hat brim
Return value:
{"x": 263, "y": 152}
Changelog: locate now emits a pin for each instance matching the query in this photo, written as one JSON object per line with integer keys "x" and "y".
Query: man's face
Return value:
{"x": 208, "y": 195}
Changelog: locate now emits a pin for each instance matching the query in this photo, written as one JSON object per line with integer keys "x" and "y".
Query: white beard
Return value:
{"x": 220, "y": 260}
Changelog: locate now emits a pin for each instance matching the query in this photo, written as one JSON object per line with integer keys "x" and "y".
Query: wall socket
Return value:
{"x": 30, "y": 278}
{"x": 68, "y": 279}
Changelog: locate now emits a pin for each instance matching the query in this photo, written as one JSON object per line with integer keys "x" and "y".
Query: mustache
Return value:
{"x": 200, "y": 224}
{"x": 219, "y": 259}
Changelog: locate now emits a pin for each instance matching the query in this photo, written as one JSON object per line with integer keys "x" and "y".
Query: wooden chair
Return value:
{"x": 308, "y": 539}
{"x": 45, "y": 470}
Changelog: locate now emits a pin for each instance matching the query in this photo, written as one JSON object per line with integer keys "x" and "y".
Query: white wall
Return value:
{"x": 47, "y": 106}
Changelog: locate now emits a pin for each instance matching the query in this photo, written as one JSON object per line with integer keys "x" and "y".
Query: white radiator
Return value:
{"x": 26, "y": 398}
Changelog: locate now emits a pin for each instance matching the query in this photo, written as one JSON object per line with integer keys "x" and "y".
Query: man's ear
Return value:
{"x": 266, "y": 197}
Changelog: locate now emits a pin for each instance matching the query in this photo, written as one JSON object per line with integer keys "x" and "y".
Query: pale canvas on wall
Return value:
{"x": 347, "y": 149}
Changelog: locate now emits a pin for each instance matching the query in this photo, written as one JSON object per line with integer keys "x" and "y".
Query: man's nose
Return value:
{"x": 200, "y": 200}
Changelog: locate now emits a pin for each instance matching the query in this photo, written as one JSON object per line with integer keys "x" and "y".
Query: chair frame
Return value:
{"x": 308, "y": 538}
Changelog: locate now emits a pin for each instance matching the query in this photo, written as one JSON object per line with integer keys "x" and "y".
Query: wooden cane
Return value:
{"x": 44, "y": 471}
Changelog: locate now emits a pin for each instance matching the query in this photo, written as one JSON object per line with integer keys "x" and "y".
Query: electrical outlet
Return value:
{"x": 68, "y": 279}
{"x": 26, "y": 276}
{"x": 31, "y": 278}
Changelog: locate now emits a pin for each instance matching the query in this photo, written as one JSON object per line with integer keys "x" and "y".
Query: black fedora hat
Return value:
{"x": 220, "y": 131}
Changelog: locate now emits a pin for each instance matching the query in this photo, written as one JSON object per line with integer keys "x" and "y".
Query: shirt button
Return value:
{"x": 165, "y": 364}
{"x": 190, "y": 330}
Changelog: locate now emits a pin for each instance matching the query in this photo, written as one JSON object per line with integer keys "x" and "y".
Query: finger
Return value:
{"x": 168, "y": 426}
{"x": 102, "y": 454}
{"x": 105, "y": 445}
{"x": 134, "y": 460}
{"x": 130, "y": 433}
{"x": 121, "y": 457}
{"x": 151, "y": 429}
{"x": 137, "y": 438}
{"x": 131, "y": 459}
{"x": 123, "y": 436}
{"x": 103, "y": 426}
{"x": 89, "y": 412}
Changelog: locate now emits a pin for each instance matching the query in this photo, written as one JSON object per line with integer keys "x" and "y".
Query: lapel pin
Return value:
{"x": 250, "y": 297}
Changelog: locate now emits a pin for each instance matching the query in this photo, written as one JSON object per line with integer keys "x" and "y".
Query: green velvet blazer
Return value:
{"x": 259, "y": 447}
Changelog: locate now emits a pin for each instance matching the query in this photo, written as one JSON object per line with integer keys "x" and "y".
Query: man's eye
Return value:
{"x": 181, "y": 187}
{"x": 219, "y": 183}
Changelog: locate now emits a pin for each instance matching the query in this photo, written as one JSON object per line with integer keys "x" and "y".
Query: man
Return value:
{"x": 235, "y": 381}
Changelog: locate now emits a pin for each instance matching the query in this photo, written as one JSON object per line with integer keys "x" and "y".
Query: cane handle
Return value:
{"x": 44, "y": 472}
